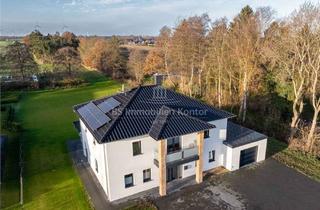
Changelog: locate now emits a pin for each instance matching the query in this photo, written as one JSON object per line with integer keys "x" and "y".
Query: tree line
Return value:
{"x": 253, "y": 62}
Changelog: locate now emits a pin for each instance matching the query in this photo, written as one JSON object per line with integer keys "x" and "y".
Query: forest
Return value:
{"x": 263, "y": 69}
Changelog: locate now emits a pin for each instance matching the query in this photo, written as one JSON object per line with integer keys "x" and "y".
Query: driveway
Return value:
{"x": 263, "y": 186}
{"x": 268, "y": 185}
{"x": 272, "y": 185}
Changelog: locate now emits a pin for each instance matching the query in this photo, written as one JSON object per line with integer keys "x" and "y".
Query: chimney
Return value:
{"x": 158, "y": 78}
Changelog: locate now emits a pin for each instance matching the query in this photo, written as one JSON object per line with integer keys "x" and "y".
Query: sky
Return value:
{"x": 119, "y": 17}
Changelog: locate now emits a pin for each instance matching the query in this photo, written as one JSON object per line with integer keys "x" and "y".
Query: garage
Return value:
{"x": 248, "y": 156}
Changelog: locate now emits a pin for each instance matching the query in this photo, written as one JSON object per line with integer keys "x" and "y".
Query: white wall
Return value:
{"x": 214, "y": 142}
{"x": 122, "y": 162}
{"x": 95, "y": 152}
{"x": 188, "y": 141}
{"x": 233, "y": 154}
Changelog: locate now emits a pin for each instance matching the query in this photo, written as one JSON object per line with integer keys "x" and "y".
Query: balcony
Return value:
{"x": 179, "y": 157}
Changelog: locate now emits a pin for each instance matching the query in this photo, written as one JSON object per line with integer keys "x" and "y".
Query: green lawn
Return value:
{"x": 50, "y": 180}
{"x": 10, "y": 183}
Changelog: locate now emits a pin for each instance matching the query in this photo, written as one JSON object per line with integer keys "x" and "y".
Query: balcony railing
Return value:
{"x": 179, "y": 156}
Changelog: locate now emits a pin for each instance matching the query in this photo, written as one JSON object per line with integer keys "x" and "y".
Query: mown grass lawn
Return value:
{"x": 9, "y": 189}
{"x": 50, "y": 182}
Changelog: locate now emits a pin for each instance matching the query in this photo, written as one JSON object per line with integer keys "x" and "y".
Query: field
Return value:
{"x": 50, "y": 182}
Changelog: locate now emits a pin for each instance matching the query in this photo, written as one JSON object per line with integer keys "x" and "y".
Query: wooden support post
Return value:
{"x": 199, "y": 168}
{"x": 162, "y": 152}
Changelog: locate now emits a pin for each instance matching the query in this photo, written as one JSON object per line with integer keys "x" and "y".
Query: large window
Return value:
{"x": 206, "y": 134}
{"x": 212, "y": 155}
{"x": 136, "y": 148}
{"x": 128, "y": 180}
{"x": 147, "y": 175}
{"x": 173, "y": 144}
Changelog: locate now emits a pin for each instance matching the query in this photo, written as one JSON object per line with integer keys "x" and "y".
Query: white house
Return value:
{"x": 148, "y": 136}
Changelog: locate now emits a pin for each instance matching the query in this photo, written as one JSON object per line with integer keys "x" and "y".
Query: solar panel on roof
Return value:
{"x": 108, "y": 104}
{"x": 93, "y": 116}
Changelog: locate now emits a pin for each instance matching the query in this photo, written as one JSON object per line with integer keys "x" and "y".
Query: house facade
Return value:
{"x": 150, "y": 136}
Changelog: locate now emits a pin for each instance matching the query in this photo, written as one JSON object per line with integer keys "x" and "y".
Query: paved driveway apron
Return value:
{"x": 269, "y": 185}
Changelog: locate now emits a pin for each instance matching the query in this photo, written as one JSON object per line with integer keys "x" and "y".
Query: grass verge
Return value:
{"x": 302, "y": 162}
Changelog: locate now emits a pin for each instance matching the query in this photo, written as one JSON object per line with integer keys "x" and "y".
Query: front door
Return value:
{"x": 172, "y": 173}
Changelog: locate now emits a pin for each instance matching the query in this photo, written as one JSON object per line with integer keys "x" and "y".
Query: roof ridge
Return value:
{"x": 124, "y": 107}
{"x": 165, "y": 120}
{"x": 168, "y": 115}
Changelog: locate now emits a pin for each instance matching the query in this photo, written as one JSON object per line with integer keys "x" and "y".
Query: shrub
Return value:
{"x": 69, "y": 82}
{"x": 18, "y": 85}
{"x": 58, "y": 80}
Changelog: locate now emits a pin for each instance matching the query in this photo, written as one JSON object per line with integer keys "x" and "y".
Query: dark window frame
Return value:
{"x": 145, "y": 171}
{"x": 173, "y": 144}
{"x": 130, "y": 184}
{"x": 96, "y": 165}
{"x": 213, "y": 154}
{"x": 206, "y": 134}
{"x": 187, "y": 167}
{"x": 136, "y": 151}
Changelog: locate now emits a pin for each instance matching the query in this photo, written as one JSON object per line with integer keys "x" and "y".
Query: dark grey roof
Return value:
{"x": 238, "y": 135}
{"x": 171, "y": 123}
{"x": 139, "y": 109}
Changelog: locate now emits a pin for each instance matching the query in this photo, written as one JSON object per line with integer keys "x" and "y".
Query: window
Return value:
{"x": 173, "y": 144}
{"x": 212, "y": 155}
{"x": 96, "y": 163}
{"x": 136, "y": 148}
{"x": 147, "y": 175}
{"x": 206, "y": 134}
{"x": 128, "y": 180}
{"x": 186, "y": 167}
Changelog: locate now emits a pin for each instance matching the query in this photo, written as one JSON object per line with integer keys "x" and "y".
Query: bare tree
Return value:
{"x": 217, "y": 58}
{"x": 20, "y": 59}
{"x": 163, "y": 43}
{"x": 245, "y": 43}
{"x": 67, "y": 57}
{"x": 136, "y": 64}
{"x": 312, "y": 31}
{"x": 187, "y": 51}
{"x": 292, "y": 48}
